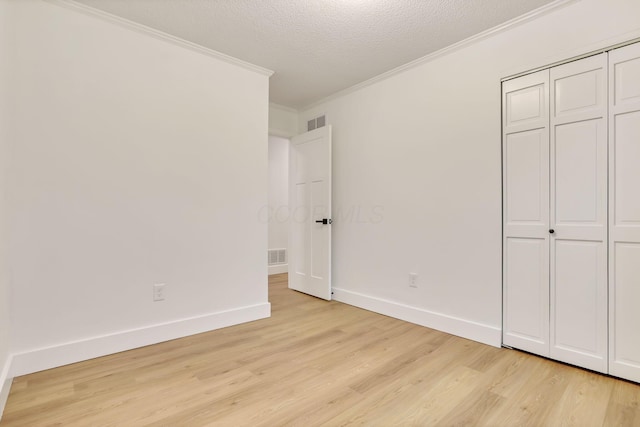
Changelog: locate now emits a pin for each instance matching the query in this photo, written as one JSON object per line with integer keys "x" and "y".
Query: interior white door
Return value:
{"x": 578, "y": 205}
{"x": 624, "y": 212}
{"x": 310, "y": 213}
{"x": 526, "y": 212}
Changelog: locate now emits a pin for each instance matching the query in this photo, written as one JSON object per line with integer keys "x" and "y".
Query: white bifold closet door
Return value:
{"x": 578, "y": 207}
{"x": 555, "y": 213}
{"x": 624, "y": 212}
{"x": 526, "y": 212}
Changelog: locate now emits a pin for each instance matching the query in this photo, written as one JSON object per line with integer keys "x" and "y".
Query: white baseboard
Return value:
{"x": 77, "y": 351}
{"x": 278, "y": 269}
{"x": 452, "y": 325}
{"x": 5, "y": 384}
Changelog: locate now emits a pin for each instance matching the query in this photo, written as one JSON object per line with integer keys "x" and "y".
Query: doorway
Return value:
{"x": 278, "y": 205}
{"x": 299, "y": 210}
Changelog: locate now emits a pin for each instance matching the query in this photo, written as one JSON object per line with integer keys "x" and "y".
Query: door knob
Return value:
{"x": 552, "y": 231}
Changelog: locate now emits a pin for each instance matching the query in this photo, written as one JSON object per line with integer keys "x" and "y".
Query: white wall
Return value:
{"x": 283, "y": 121}
{"x": 278, "y": 212}
{"x": 4, "y": 285}
{"x": 133, "y": 161}
{"x": 422, "y": 150}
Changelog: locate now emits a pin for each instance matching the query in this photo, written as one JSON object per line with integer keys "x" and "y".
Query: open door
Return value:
{"x": 310, "y": 213}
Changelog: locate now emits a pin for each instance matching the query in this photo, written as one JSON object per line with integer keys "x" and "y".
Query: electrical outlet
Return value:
{"x": 158, "y": 291}
{"x": 413, "y": 280}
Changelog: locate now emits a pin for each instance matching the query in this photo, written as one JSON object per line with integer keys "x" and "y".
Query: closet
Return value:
{"x": 571, "y": 212}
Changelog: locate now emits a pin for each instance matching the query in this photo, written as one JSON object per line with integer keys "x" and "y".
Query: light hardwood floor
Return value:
{"x": 320, "y": 363}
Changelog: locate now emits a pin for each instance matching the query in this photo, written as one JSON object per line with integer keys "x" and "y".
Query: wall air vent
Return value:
{"x": 277, "y": 256}
{"x": 316, "y": 123}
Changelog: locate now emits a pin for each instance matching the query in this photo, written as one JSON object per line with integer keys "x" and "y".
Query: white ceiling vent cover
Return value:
{"x": 277, "y": 256}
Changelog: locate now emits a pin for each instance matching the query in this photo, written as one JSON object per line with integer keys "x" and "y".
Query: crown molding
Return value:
{"x": 143, "y": 29}
{"x": 283, "y": 107}
{"x": 536, "y": 13}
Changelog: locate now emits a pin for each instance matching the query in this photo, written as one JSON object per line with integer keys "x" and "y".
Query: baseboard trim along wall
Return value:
{"x": 77, "y": 351}
{"x": 278, "y": 269}
{"x": 485, "y": 334}
{"x": 5, "y": 384}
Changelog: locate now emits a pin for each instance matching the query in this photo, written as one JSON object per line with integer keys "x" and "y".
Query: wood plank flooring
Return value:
{"x": 320, "y": 363}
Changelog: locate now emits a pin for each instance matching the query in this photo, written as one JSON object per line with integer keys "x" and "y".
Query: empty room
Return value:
{"x": 319, "y": 213}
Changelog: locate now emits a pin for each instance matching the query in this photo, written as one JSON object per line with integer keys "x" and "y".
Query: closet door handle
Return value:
{"x": 552, "y": 231}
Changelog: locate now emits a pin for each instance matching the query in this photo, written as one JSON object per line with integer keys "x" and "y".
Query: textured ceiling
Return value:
{"x": 319, "y": 47}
